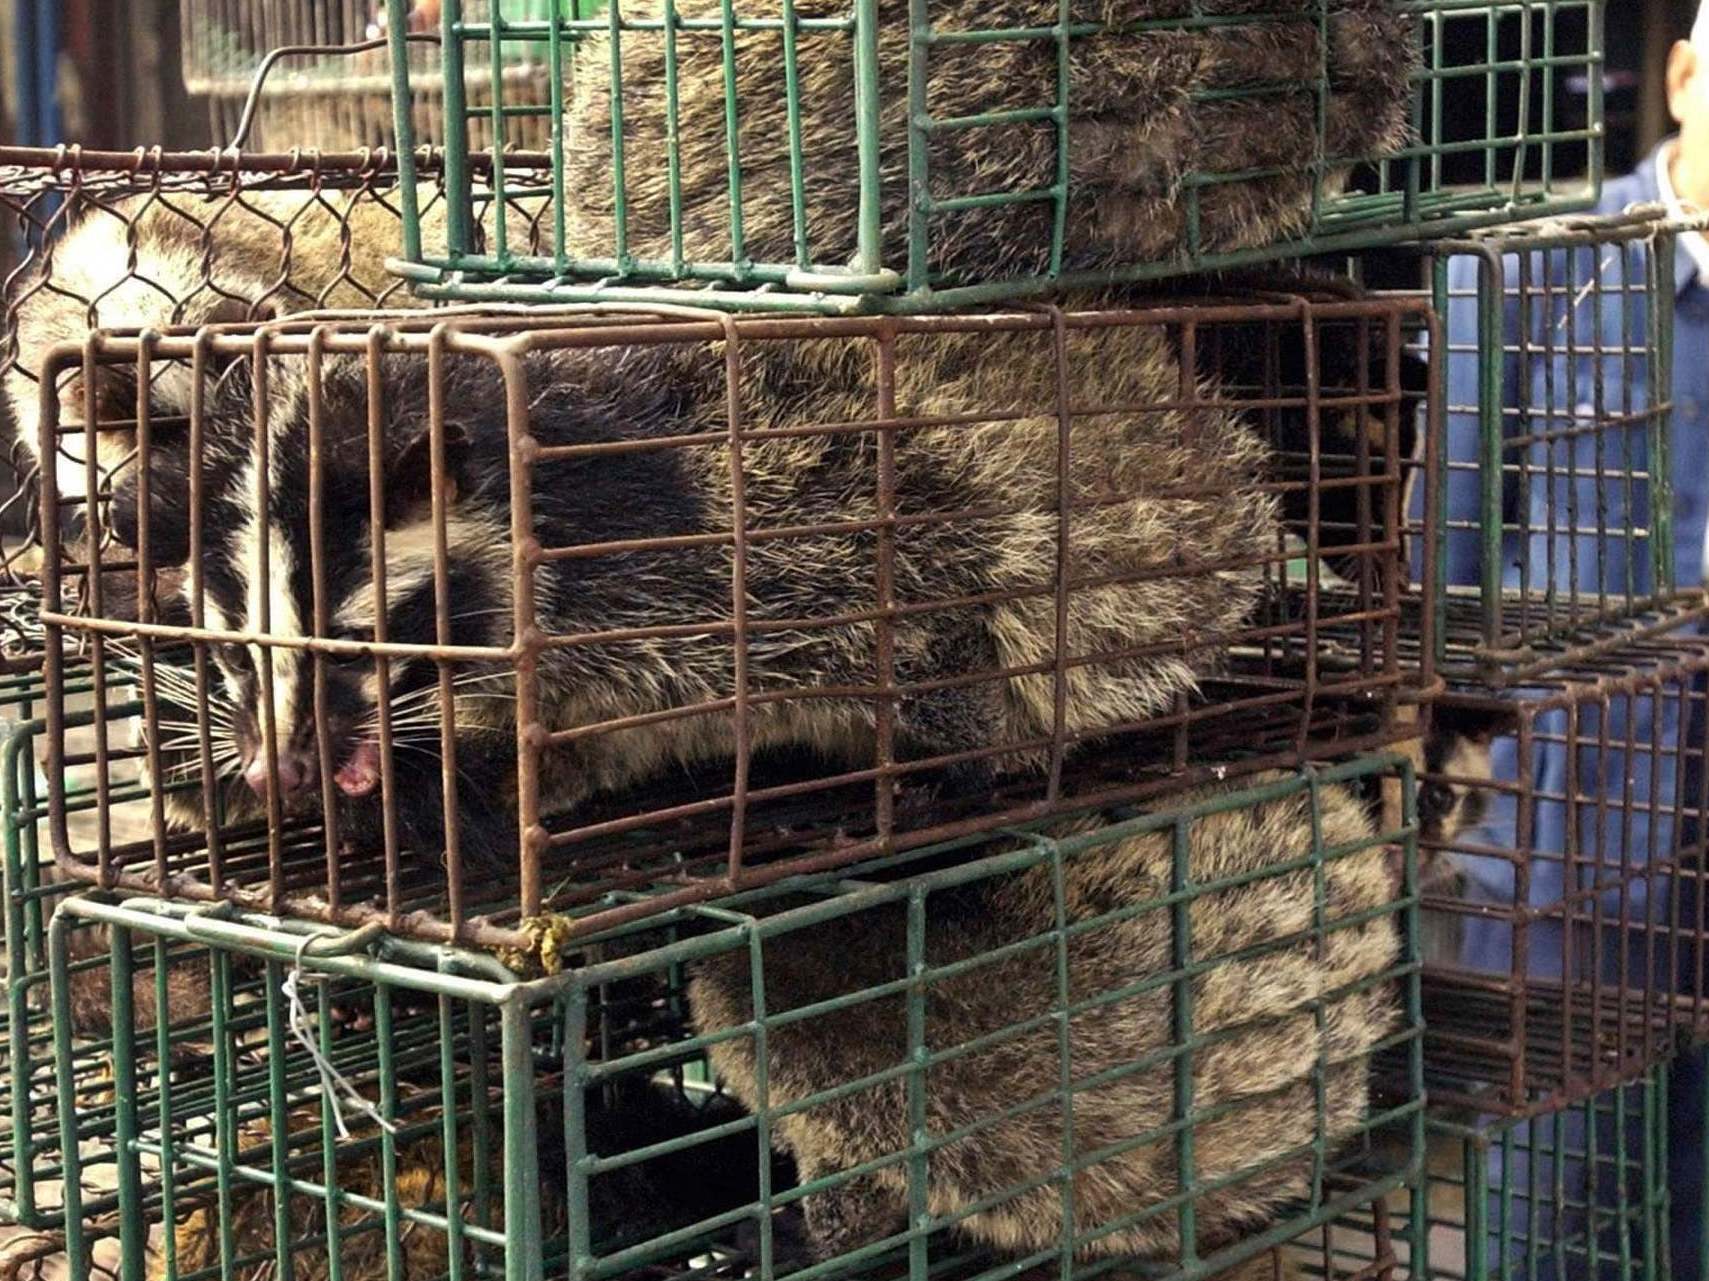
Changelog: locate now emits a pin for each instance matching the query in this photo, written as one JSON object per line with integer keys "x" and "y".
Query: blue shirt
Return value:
{"x": 1598, "y": 389}
{"x": 1570, "y": 377}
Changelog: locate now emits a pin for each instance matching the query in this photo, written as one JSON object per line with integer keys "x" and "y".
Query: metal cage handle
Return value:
{"x": 247, "y": 120}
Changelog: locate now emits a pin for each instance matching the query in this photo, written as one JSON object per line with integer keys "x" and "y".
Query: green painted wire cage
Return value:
{"x": 411, "y": 1110}
{"x": 31, "y": 1169}
{"x": 1583, "y": 1192}
{"x": 28, "y": 1154}
{"x": 1554, "y": 531}
{"x": 886, "y": 155}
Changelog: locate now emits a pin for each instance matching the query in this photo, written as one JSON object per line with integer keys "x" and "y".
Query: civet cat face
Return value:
{"x": 273, "y": 534}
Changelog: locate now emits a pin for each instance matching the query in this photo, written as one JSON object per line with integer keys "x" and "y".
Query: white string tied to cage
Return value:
{"x": 336, "y": 1085}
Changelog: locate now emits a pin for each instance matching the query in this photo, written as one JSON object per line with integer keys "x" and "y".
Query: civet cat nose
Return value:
{"x": 295, "y": 772}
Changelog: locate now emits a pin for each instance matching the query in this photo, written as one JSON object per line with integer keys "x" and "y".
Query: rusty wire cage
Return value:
{"x": 319, "y": 78}
{"x": 1563, "y": 849}
{"x": 1556, "y": 533}
{"x": 601, "y": 1123}
{"x": 876, "y": 622}
{"x": 894, "y": 156}
{"x": 154, "y": 238}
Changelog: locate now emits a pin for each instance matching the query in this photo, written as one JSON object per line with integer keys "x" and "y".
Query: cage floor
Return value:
{"x": 1569, "y": 1044}
{"x": 1538, "y": 639}
{"x": 683, "y": 834}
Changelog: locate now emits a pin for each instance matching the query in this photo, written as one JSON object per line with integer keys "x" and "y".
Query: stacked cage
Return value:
{"x": 845, "y": 738}
{"x": 1560, "y": 792}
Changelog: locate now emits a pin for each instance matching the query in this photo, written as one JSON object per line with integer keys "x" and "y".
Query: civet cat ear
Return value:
{"x": 409, "y": 475}
{"x": 1479, "y": 724}
{"x": 168, "y": 501}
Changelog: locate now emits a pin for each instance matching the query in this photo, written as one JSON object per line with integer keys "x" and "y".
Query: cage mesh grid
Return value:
{"x": 319, "y": 96}
{"x": 1282, "y": 693}
{"x": 553, "y": 1080}
{"x": 181, "y": 238}
{"x": 1563, "y": 906}
{"x": 1556, "y": 518}
{"x": 1582, "y": 1191}
{"x": 1423, "y": 184}
{"x": 31, "y": 1171}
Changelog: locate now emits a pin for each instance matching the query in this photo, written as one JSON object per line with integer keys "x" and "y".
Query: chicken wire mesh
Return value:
{"x": 1556, "y": 529}
{"x": 743, "y": 660}
{"x": 1563, "y": 918}
{"x": 603, "y": 1123}
{"x": 158, "y": 239}
{"x": 885, "y": 156}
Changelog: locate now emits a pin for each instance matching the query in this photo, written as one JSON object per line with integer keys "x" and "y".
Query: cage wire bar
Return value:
{"x": 321, "y": 80}
{"x": 586, "y": 1121}
{"x": 1286, "y": 691}
{"x": 30, "y": 1169}
{"x": 168, "y": 238}
{"x": 1583, "y": 1191}
{"x": 1557, "y": 509}
{"x": 1464, "y": 162}
{"x": 245, "y": 235}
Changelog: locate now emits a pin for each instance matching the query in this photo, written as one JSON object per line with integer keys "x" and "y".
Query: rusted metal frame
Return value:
{"x": 1657, "y": 860}
{"x": 376, "y": 343}
{"x": 357, "y": 648}
{"x": 93, "y": 538}
{"x": 1579, "y": 429}
{"x": 1189, "y": 399}
{"x": 1190, "y": 389}
{"x": 1556, "y": 1081}
{"x": 884, "y": 629}
{"x": 525, "y": 628}
{"x": 440, "y": 483}
{"x": 1700, "y": 927}
{"x": 1363, "y": 516}
{"x": 1524, "y": 842}
{"x": 262, "y": 445}
{"x": 1654, "y": 672}
{"x": 77, "y": 162}
{"x": 1524, "y": 413}
{"x": 1599, "y": 407}
{"x": 145, "y": 598}
{"x": 667, "y": 630}
{"x": 741, "y": 704}
{"x": 1584, "y": 851}
{"x": 1503, "y": 668}
{"x": 481, "y": 931}
{"x": 1638, "y": 222}
{"x": 54, "y": 361}
{"x": 1674, "y": 927}
{"x": 714, "y": 804}
{"x": 1309, "y": 322}
{"x": 198, "y": 613}
{"x": 929, "y": 520}
{"x": 995, "y": 820}
{"x": 317, "y": 571}
{"x": 572, "y": 326}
